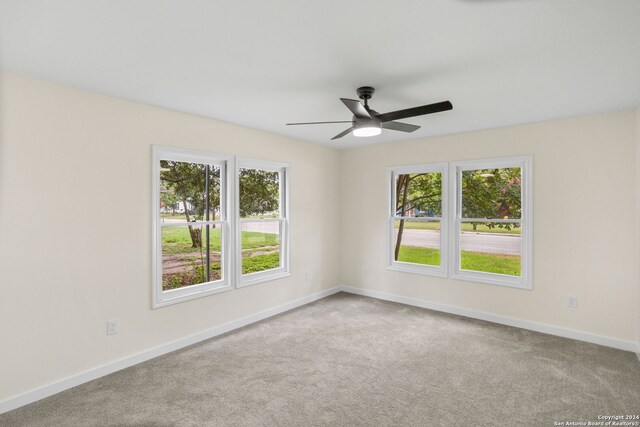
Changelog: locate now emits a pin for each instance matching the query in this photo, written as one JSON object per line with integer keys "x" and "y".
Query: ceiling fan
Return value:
{"x": 368, "y": 122}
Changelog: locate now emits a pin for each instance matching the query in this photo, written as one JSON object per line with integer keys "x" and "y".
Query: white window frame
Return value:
{"x": 452, "y": 218}
{"x": 525, "y": 281}
{"x": 162, "y": 298}
{"x": 276, "y": 273}
{"x": 430, "y": 270}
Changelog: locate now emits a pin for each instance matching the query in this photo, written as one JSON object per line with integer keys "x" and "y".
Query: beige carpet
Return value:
{"x": 353, "y": 361}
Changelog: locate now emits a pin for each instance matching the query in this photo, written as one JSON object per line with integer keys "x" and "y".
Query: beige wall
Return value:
{"x": 75, "y": 228}
{"x": 585, "y": 225}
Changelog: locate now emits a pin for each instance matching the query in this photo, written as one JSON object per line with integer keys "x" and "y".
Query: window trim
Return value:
{"x": 244, "y": 280}
{"x": 525, "y": 281}
{"x": 429, "y": 270}
{"x": 162, "y": 298}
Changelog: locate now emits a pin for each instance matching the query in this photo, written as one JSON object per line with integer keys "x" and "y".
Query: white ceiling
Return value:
{"x": 265, "y": 63}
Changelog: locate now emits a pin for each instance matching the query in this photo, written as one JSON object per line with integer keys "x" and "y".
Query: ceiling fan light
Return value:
{"x": 367, "y": 131}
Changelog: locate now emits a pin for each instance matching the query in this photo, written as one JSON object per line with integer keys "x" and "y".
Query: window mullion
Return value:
{"x": 418, "y": 218}
{"x": 192, "y": 223}
{"x": 494, "y": 220}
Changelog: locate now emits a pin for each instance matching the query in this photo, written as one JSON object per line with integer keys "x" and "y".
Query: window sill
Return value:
{"x": 498, "y": 280}
{"x": 196, "y": 294}
{"x": 266, "y": 278}
{"x": 418, "y": 269}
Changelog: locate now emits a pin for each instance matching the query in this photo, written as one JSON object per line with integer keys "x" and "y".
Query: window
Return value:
{"x": 190, "y": 225}
{"x": 262, "y": 231}
{"x": 416, "y": 226}
{"x": 484, "y": 237}
{"x": 492, "y": 221}
{"x": 193, "y": 236}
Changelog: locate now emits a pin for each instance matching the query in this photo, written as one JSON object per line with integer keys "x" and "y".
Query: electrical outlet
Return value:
{"x": 112, "y": 326}
{"x": 307, "y": 276}
{"x": 572, "y": 302}
{"x": 365, "y": 271}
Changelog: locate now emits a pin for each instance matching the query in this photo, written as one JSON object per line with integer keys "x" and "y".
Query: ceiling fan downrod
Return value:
{"x": 365, "y": 93}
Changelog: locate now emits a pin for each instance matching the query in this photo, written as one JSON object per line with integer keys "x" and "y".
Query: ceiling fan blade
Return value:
{"x": 402, "y": 127}
{"x": 356, "y": 108}
{"x": 343, "y": 133}
{"x": 416, "y": 111}
{"x": 318, "y": 123}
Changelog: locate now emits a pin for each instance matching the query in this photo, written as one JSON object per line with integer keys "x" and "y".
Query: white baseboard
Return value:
{"x": 100, "y": 371}
{"x": 503, "y": 320}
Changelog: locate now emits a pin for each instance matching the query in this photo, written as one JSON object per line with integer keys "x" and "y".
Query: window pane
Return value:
{"x": 260, "y": 246}
{"x": 491, "y": 248}
{"x": 417, "y": 242}
{"x": 492, "y": 193}
{"x": 259, "y": 193}
{"x": 419, "y": 195}
{"x": 184, "y": 255}
{"x": 183, "y": 191}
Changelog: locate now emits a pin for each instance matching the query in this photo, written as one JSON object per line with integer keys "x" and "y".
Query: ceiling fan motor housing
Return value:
{"x": 365, "y": 92}
{"x": 375, "y": 121}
